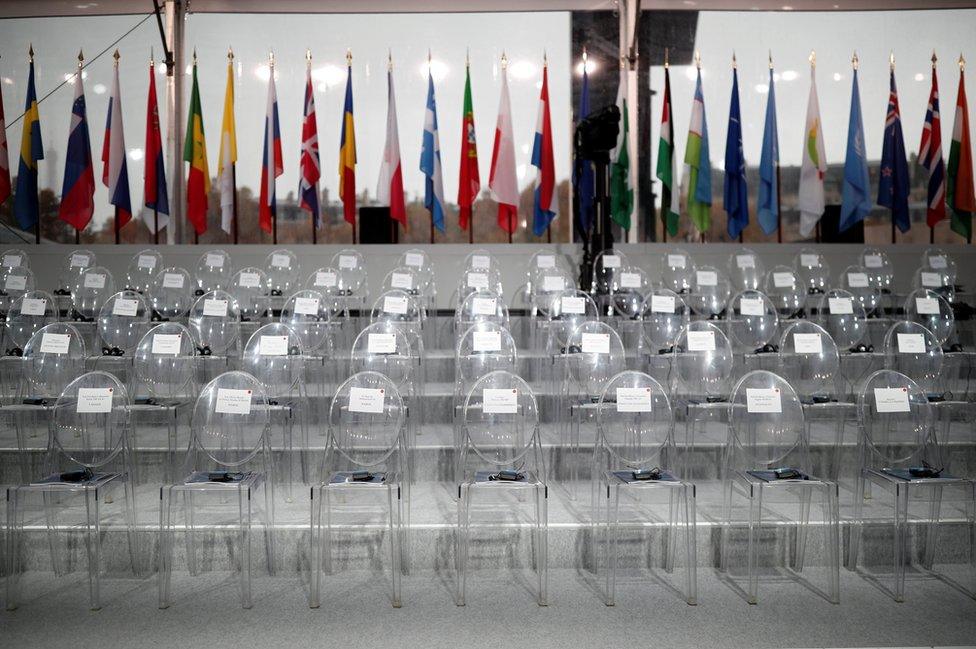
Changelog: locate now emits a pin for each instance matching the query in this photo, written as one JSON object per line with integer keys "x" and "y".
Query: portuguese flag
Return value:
{"x": 195, "y": 152}
{"x": 469, "y": 181}
{"x": 959, "y": 180}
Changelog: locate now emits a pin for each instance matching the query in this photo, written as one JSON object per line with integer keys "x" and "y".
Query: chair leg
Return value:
{"x": 189, "y": 532}
{"x": 691, "y": 545}
{"x": 464, "y": 525}
{"x": 832, "y": 539}
{"x": 755, "y": 519}
{"x": 803, "y": 525}
{"x": 396, "y": 548}
{"x": 543, "y": 545}
{"x": 932, "y": 528}
{"x": 672, "y": 531}
{"x": 610, "y": 536}
{"x": 93, "y": 543}
{"x": 244, "y": 511}
{"x": 901, "y": 536}
{"x": 856, "y": 524}
{"x": 165, "y": 545}
{"x": 723, "y": 561}
{"x": 15, "y": 529}
{"x": 135, "y": 549}
{"x": 51, "y": 501}
{"x": 315, "y": 547}
{"x": 269, "y": 524}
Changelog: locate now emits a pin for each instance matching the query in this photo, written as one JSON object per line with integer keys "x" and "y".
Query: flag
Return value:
{"x": 502, "y": 181}
{"x": 430, "y": 160}
{"x": 271, "y": 160}
{"x": 810, "y": 199}
{"x": 389, "y": 190}
{"x": 736, "y": 190}
{"x": 26, "y": 207}
{"x": 227, "y": 157}
{"x": 767, "y": 202}
{"x": 154, "y": 191}
{"x": 930, "y": 156}
{"x": 959, "y": 179}
{"x": 855, "y": 203}
{"x": 347, "y": 155}
{"x": 195, "y": 152}
{"x": 699, "y": 166}
{"x": 115, "y": 171}
{"x": 621, "y": 192}
{"x": 583, "y": 179}
{"x": 469, "y": 180}
{"x": 4, "y": 159}
{"x": 893, "y": 181}
{"x": 544, "y": 199}
{"x": 309, "y": 166}
{"x": 78, "y": 189}
{"x": 666, "y": 171}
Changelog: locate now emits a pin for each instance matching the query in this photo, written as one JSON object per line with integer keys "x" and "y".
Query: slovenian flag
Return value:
{"x": 310, "y": 170}
{"x": 115, "y": 172}
{"x": 544, "y": 205}
{"x": 154, "y": 191}
{"x": 271, "y": 160}
{"x": 78, "y": 190}
{"x": 430, "y": 160}
{"x": 389, "y": 189}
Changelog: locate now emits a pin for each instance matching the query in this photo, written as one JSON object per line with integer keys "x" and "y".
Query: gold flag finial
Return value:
{"x": 116, "y": 56}
{"x": 505, "y": 60}
{"x": 389, "y": 59}
{"x": 854, "y": 60}
{"x": 934, "y": 59}
{"x": 81, "y": 58}
{"x": 308, "y": 56}
{"x": 770, "y": 59}
{"x": 962, "y": 63}
{"x": 667, "y": 63}
{"x": 194, "y": 57}
{"x": 271, "y": 59}
{"x": 812, "y": 58}
{"x": 698, "y": 59}
{"x": 891, "y": 60}
{"x": 30, "y": 53}
{"x": 735, "y": 64}
{"x": 230, "y": 54}
{"x": 349, "y": 58}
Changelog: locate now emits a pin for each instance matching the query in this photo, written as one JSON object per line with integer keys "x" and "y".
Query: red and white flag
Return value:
{"x": 503, "y": 182}
{"x": 389, "y": 190}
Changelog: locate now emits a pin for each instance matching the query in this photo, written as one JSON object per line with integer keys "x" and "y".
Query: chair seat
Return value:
{"x": 751, "y": 478}
{"x": 484, "y": 479}
{"x": 627, "y": 478}
{"x": 344, "y": 479}
{"x": 200, "y": 480}
{"x": 901, "y": 476}
{"x": 53, "y": 482}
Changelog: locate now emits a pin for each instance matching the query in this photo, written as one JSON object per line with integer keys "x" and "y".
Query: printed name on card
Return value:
{"x": 327, "y": 278}
{"x": 381, "y": 343}
{"x": 487, "y": 341}
{"x": 891, "y": 400}
{"x": 249, "y": 280}
{"x": 807, "y": 343}
{"x": 125, "y": 307}
{"x": 166, "y": 344}
{"x": 763, "y": 400}
{"x": 172, "y": 280}
{"x": 633, "y": 399}
{"x": 233, "y": 402}
{"x": 701, "y": 341}
{"x": 396, "y": 304}
{"x": 55, "y": 343}
{"x": 840, "y": 305}
{"x": 33, "y": 306}
{"x": 93, "y": 280}
{"x": 927, "y": 305}
{"x": 676, "y": 261}
{"x": 94, "y": 400}
{"x": 280, "y": 261}
{"x": 147, "y": 261}
{"x": 273, "y": 345}
{"x": 911, "y": 344}
{"x": 215, "y": 260}
{"x": 215, "y": 308}
{"x": 573, "y": 305}
{"x": 503, "y": 401}
{"x": 707, "y": 278}
{"x": 596, "y": 343}
{"x": 368, "y": 400}
{"x": 752, "y": 306}
{"x": 414, "y": 259}
{"x": 662, "y": 304}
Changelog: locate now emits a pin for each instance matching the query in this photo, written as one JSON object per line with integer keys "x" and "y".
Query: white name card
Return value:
{"x": 214, "y": 260}
{"x": 33, "y": 306}
{"x": 752, "y": 306}
{"x": 16, "y": 282}
{"x": 701, "y": 341}
{"x": 307, "y": 305}
{"x": 763, "y": 400}
{"x": 166, "y": 344}
{"x": 857, "y": 280}
{"x": 552, "y": 283}
{"x": 745, "y": 261}
{"x": 931, "y": 279}
{"x": 484, "y": 305}
{"x": 873, "y": 261}
{"x": 662, "y": 304}
{"x": 348, "y": 262}
{"x": 487, "y": 341}
{"x": 478, "y": 280}
{"x": 79, "y": 260}
{"x": 809, "y": 260}
{"x": 938, "y": 262}
{"x": 216, "y": 308}
{"x": 146, "y": 261}
{"x": 633, "y": 399}
{"x": 93, "y": 280}
{"x": 840, "y": 305}
{"x": 125, "y": 307}
{"x": 273, "y": 346}
{"x": 594, "y": 343}
{"x": 783, "y": 280}
{"x": 891, "y": 400}
{"x": 381, "y": 343}
{"x": 249, "y": 280}
{"x": 94, "y": 400}
{"x": 12, "y": 261}
{"x": 573, "y": 305}
{"x": 611, "y": 261}
{"x": 233, "y": 402}
{"x": 402, "y": 280}
{"x": 395, "y": 304}
{"x": 55, "y": 343}
{"x": 545, "y": 261}
{"x": 327, "y": 279}
{"x": 414, "y": 259}
{"x": 911, "y": 344}
{"x": 481, "y": 261}
{"x": 172, "y": 280}
{"x": 676, "y": 261}
{"x": 707, "y": 278}
{"x": 807, "y": 343}
{"x": 279, "y": 260}
{"x": 369, "y": 400}
{"x": 630, "y": 280}
{"x": 927, "y": 305}
{"x": 499, "y": 401}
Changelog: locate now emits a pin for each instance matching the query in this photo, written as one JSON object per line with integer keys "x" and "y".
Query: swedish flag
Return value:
{"x": 25, "y": 201}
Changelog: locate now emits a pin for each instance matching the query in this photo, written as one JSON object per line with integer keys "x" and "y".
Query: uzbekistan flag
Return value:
{"x": 430, "y": 160}
{"x": 154, "y": 190}
{"x": 502, "y": 181}
{"x": 78, "y": 190}
{"x": 544, "y": 206}
{"x": 347, "y": 154}
{"x": 930, "y": 156}
{"x": 31, "y": 150}
{"x": 115, "y": 173}
{"x": 195, "y": 152}
{"x": 271, "y": 160}
{"x": 698, "y": 164}
{"x": 389, "y": 190}
{"x": 308, "y": 184}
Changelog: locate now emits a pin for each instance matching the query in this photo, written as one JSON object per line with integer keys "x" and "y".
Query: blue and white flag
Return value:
{"x": 767, "y": 203}
{"x": 855, "y": 198}
{"x": 430, "y": 161}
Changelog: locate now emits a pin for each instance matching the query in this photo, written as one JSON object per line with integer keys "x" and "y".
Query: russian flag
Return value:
{"x": 544, "y": 204}
{"x": 271, "y": 160}
{"x": 78, "y": 190}
{"x": 115, "y": 172}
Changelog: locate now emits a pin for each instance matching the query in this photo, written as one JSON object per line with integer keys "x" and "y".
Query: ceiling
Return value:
{"x": 28, "y": 8}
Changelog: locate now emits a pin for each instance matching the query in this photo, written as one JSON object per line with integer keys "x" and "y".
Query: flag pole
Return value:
{"x": 37, "y": 222}
{"x": 932, "y": 227}
{"x": 891, "y": 63}
{"x": 308, "y": 67}
{"x": 118, "y": 235}
{"x": 779, "y": 201}
{"x": 664, "y": 221}
{"x": 233, "y": 169}
{"x": 698, "y": 65}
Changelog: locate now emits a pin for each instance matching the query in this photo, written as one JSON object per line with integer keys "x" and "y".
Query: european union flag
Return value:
{"x": 893, "y": 183}
{"x": 855, "y": 202}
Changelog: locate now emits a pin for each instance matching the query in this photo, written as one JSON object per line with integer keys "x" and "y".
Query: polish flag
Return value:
{"x": 389, "y": 190}
{"x": 503, "y": 182}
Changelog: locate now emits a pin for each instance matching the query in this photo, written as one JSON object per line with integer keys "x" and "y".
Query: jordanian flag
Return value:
{"x": 959, "y": 180}
{"x": 621, "y": 193}
{"x": 666, "y": 172}
{"x": 699, "y": 166}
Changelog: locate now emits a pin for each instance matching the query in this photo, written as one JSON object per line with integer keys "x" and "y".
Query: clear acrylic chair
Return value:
{"x": 678, "y": 271}
{"x": 901, "y": 453}
{"x": 880, "y": 270}
{"x": 479, "y": 259}
{"x": 282, "y": 272}
{"x": 863, "y": 286}
{"x": 746, "y": 270}
{"x": 501, "y": 459}
{"x": 89, "y": 292}
{"x": 73, "y": 264}
{"x": 480, "y": 306}
{"x": 142, "y": 270}
{"x": 627, "y": 293}
{"x": 933, "y": 311}
{"x": 383, "y": 347}
{"x": 163, "y": 389}
{"x": 122, "y": 322}
{"x": 752, "y": 322}
{"x": 14, "y": 283}
{"x": 663, "y": 314}
{"x": 940, "y": 260}
{"x": 229, "y": 461}
{"x": 787, "y": 293}
{"x": 567, "y": 311}
{"x": 403, "y": 311}
{"x": 27, "y": 315}
{"x": 311, "y": 315}
{"x": 215, "y": 322}
{"x": 90, "y": 456}
{"x": 366, "y": 463}
{"x": 709, "y": 293}
{"x": 353, "y": 283}
{"x": 939, "y": 281}
{"x": 213, "y": 271}
{"x": 171, "y": 295}
{"x": 632, "y": 459}
{"x": 842, "y": 316}
{"x": 812, "y": 270}
{"x": 766, "y": 461}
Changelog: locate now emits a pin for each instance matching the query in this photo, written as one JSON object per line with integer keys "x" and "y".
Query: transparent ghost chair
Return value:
{"x": 709, "y": 293}
{"x": 663, "y": 314}
{"x": 752, "y": 322}
{"x": 480, "y": 259}
{"x": 857, "y": 281}
{"x": 678, "y": 272}
{"x": 808, "y": 358}
{"x": 767, "y": 461}
{"x": 142, "y": 270}
{"x": 480, "y": 306}
{"x": 940, "y": 261}
{"x": 545, "y": 283}
{"x": 310, "y": 315}
{"x": 122, "y": 322}
{"x": 53, "y": 357}
{"x": 567, "y": 311}
{"x": 27, "y": 315}
{"x": 275, "y": 356}
{"x": 633, "y": 453}
{"x": 478, "y": 280}
{"x": 88, "y": 293}
{"x": 934, "y": 312}
{"x": 171, "y": 295}
{"x": 75, "y": 263}
{"x": 900, "y": 453}
{"x": 702, "y": 362}
{"x": 164, "y": 387}
{"x": 484, "y": 348}
{"x": 595, "y": 354}
{"x": 229, "y": 461}
{"x": 282, "y": 272}
{"x": 249, "y": 286}
{"x": 14, "y": 282}
{"x": 353, "y": 282}
{"x": 213, "y": 272}
{"x": 606, "y": 265}
{"x": 398, "y": 307}
{"x": 939, "y": 281}
{"x": 406, "y": 279}
{"x": 786, "y": 291}
{"x": 215, "y": 322}
{"x": 501, "y": 459}
{"x": 627, "y": 293}
{"x": 842, "y": 316}
{"x": 90, "y": 457}
{"x": 812, "y": 270}
{"x": 14, "y": 258}
{"x": 746, "y": 270}
{"x": 366, "y": 463}
{"x": 327, "y": 281}
{"x": 419, "y": 261}
{"x": 881, "y": 272}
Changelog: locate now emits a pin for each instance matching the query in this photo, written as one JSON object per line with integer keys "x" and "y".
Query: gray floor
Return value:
{"x": 501, "y": 611}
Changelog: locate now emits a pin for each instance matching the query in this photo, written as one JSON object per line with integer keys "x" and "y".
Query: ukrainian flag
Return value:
{"x": 25, "y": 202}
